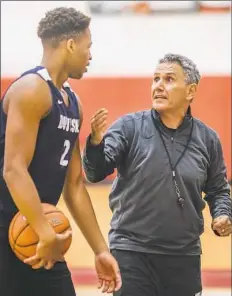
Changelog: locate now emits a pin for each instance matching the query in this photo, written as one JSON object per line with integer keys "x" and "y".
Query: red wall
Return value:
{"x": 123, "y": 95}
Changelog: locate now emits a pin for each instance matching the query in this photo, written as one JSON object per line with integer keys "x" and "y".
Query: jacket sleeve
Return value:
{"x": 99, "y": 161}
{"x": 217, "y": 188}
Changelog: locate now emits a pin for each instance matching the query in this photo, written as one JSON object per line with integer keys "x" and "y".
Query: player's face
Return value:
{"x": 169, "y": 89}
{"x": 79, "y": 56}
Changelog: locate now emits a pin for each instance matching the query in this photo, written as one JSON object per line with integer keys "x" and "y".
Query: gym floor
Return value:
{"x": 90, "y": 291}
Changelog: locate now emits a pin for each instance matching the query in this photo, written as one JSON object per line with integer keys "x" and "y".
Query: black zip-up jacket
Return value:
{"x": 147, "y": 216}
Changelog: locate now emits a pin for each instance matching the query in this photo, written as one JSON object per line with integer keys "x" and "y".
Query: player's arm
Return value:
{"x": 27, "y": 101}
{"x": 104, "y": 152}
{"x": 79, "y": 204}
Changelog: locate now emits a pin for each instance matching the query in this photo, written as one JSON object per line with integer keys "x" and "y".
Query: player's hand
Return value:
{"x": 108, "y": 273}
{"x": 48, "y": 251}
{"x": 98, "y": 126}
{"x": 222, "y": 225}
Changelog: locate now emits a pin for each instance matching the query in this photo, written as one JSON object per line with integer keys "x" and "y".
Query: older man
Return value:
{"x": 165, "y": 159}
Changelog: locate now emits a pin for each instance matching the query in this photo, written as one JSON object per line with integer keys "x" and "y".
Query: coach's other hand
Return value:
{"x": 222, "y": 225}
{"x": 108, "y": 273}
{"x": 98, "y": 126}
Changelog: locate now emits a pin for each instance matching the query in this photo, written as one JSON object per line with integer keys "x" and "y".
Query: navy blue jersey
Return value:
{"x": 57, "y": 135}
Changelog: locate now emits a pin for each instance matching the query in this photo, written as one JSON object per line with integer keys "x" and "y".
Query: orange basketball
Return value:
{"x": 22, "y": 238}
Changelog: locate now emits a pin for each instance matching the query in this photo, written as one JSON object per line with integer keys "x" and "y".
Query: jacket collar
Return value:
{"x": 185, "y": 123}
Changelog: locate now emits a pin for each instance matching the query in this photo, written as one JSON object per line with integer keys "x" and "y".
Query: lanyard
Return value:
{"x": 180, "y": 198}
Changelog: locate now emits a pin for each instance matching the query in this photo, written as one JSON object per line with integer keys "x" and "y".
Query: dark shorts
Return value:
{"x": 146, "y": 274}
{"x": 19, "y": 279}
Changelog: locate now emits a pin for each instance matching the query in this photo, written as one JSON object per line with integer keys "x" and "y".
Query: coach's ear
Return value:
{"x": 191, "y": 92}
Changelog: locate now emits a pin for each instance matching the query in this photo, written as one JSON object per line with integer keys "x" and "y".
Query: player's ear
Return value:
{"x": 71, "y": 45}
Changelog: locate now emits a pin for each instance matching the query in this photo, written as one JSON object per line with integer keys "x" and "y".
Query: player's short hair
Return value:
{"x": 190, "y": 69}
{"x": 62, "y": 23}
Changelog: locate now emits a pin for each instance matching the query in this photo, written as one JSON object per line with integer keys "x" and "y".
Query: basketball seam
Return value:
{"x": 37, "y": 243}
{"x": 15, "y": 242}
{"x": 11, "y": 234}
{"x": 17, "y": 251}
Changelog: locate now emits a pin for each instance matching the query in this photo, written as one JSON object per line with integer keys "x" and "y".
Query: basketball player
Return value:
{"x": 40, "y": 119}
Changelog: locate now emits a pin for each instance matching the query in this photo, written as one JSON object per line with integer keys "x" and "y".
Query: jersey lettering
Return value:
{"x": 69, "y": 124}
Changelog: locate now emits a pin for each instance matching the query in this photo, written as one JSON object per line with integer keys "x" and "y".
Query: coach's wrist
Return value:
{"x": 95, "y": 140}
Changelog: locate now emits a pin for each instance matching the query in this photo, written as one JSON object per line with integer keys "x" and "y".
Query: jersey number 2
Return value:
{"x": 63, "y": 161}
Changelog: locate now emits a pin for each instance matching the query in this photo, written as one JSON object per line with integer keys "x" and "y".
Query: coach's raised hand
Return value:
{"x": 98, "y": 126}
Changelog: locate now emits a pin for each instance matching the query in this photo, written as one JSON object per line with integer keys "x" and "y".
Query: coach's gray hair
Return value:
{"x": 190, "y": 69}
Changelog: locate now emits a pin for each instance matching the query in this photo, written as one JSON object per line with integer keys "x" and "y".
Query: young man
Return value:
{"x": 40, "y": 119}
{"x": 165, "y": 160}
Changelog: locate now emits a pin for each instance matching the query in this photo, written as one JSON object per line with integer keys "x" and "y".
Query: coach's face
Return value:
{"x": 170, "y": 91}
{"x": 79, "y": 54}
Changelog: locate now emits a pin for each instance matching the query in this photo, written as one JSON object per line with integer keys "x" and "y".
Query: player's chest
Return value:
{"x": 66, "y": 118}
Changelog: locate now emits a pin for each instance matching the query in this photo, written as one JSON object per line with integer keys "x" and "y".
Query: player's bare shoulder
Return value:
{"x": 31, "y": 91}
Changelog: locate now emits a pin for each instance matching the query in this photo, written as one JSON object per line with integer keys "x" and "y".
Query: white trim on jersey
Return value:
{"x": 44, "y": 73}
{"x": 66, "y": 84}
